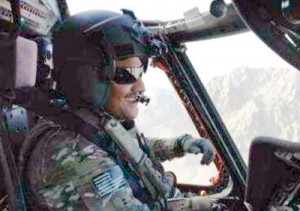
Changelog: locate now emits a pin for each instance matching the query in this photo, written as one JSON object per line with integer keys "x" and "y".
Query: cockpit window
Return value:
{"x": 166, "y": 117}
{"x": 255, "y": 91}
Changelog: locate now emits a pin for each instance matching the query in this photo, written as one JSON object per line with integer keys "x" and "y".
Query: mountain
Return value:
{"x": 258, "y": 102}
{"x": 251, "y": 101}
{"x": 165, "y": 116}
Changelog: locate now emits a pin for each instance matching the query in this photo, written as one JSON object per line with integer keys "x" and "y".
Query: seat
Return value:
{"x": 18, "y": 68}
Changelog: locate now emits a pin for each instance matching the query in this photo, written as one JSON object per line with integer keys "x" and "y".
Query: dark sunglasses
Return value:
{"x": 128, "y": 75}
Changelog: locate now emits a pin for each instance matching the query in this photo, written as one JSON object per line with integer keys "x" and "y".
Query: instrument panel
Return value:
{"x": 36, "y": 15}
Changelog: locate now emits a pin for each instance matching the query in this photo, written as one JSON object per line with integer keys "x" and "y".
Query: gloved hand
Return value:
{"x": 198, "y": 145}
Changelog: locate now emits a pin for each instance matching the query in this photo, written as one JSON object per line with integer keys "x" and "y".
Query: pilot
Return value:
{"x": 99, "y": 59}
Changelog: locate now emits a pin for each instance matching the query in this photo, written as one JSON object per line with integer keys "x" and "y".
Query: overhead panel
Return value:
{"x": 35, "y": 15}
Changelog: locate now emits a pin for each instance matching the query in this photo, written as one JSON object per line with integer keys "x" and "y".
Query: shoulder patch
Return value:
{"x": 109, "y": 181}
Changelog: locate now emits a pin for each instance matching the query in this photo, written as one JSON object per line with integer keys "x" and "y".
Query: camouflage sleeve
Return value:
{"x": 70, "y": 173}
{"x": 165, "y": 149}
{"x": 160, "y": 149}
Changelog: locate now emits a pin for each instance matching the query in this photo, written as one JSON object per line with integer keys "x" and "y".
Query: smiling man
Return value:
{"x": 99, "y": 59}
{"x": 122, "y": 103}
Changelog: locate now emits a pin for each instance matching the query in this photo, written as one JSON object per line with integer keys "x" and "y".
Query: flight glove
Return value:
{"x": 193, "y": 145}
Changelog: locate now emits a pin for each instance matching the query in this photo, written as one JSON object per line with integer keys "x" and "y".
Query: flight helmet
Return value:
{"x": 86, "y": 47}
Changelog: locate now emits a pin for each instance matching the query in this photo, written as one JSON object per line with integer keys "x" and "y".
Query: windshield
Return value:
{"x": 255, "y": 91}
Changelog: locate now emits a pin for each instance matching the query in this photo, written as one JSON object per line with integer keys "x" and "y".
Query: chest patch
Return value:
{"x": 109, "y": 181}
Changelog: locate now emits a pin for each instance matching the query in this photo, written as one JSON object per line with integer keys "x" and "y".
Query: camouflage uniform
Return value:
{"x": 65, "y": 171}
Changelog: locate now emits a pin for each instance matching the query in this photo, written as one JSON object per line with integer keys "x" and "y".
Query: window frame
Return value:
{"x": 208, "y": 122}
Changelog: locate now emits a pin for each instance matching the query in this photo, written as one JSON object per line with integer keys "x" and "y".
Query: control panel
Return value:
{"x": 36, "y": 15}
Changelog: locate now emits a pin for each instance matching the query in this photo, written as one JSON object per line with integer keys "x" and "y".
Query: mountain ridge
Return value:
{"x": 258, "y": 102}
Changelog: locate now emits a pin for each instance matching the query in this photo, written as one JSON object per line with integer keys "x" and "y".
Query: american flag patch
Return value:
{"x": 109, "y": 181}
